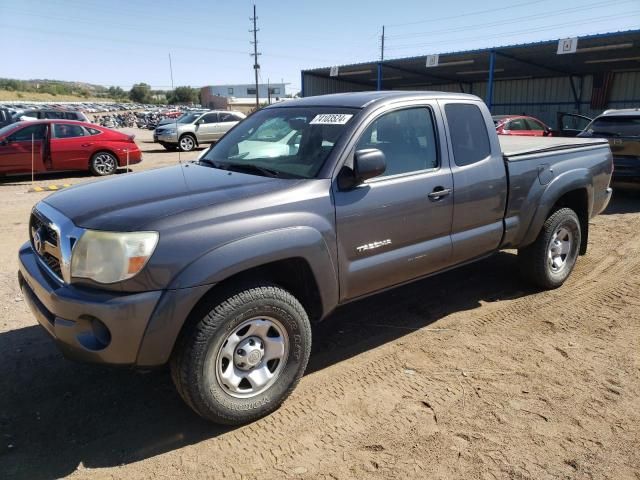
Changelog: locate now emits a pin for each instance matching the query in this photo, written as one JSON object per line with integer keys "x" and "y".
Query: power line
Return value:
{"x": 516, "y": 32}
{"x": 110, "y": 25}
{"x": 590, "y": 6}
{"x": 468, "y": 14}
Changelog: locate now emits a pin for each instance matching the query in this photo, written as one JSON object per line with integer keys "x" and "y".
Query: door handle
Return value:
{"x": 86, "y": 144}
{"x": 439, "y": 192}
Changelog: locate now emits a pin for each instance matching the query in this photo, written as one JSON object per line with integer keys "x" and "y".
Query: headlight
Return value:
{"x": 109, "y": 257}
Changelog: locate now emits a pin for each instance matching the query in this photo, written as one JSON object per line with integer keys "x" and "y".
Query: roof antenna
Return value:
{"x": 173, "y": 88}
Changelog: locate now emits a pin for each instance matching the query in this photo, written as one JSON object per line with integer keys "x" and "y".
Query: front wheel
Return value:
{"x": 187, "y": 143}
{"x": 549, "y": 260}
{"x": 244, "y": 355}
{"x": 103, "y": 163}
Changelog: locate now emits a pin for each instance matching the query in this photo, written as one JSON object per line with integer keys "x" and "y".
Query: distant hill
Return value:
{"x": 46, "y": 89}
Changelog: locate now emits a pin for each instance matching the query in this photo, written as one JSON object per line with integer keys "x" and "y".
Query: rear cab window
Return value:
{"x": 468, "y": 133}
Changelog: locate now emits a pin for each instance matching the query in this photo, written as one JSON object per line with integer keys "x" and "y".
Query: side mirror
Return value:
{"x": 367, "y": 163}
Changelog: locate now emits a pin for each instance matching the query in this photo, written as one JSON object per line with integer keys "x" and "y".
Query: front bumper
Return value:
{"x": 90, "y": 326}
{"x": 626, "y": 169}
{"x": 165, "y": 137}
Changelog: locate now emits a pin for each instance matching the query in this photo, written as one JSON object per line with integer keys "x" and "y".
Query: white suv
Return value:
{"x": 193, "y": 129}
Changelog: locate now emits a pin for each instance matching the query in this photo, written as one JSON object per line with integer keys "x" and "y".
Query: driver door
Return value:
{"x": 395, "y": 227}
{"x": 23, "y": 147}
{"x": 206, "y": 127}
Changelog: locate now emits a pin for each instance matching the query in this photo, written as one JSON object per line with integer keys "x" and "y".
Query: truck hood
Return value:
{"x": 128, "y": 202}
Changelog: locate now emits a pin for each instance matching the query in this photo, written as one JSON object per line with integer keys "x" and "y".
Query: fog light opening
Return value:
{"x": 95, "y": 335}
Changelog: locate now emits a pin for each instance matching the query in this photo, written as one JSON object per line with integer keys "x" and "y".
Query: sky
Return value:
{"x": 122, "y": 42}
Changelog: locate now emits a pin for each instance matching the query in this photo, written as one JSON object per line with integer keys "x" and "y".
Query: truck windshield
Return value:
{"x": 288, "y": 142}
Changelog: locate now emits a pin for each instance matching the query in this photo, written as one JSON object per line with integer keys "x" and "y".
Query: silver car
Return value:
{"x": 193, "y": 129}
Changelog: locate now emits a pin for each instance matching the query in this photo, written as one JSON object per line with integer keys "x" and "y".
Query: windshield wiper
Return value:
{"x": 211, "y": 163}
{"x": 250, "y": 168}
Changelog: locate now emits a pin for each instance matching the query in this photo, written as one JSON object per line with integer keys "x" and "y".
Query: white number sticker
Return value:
{"x": 331, "y": 119}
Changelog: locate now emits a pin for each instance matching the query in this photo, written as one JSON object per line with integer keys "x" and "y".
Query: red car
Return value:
{"x": 64, "y": 145}
{"x": 521, "y": 125}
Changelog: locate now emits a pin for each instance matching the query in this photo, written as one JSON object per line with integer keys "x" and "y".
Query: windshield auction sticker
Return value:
{"x": 331, "y": 119}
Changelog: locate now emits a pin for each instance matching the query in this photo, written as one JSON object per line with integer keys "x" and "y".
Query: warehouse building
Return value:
{"x": 241, "y": 97}
{"x": 583, "y": 75}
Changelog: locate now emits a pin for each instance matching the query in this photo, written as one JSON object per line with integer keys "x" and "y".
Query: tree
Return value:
{"x": 183, "y": 95}
{"x": 116, "y": 93}
{"x": 140, "y": 93}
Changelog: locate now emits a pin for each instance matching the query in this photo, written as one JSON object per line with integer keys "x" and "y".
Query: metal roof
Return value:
{"x": 606, "y": 52}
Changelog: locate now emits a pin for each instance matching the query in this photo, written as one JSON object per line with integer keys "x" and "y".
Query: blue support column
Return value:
{"x": 379, "y": 82}
{"x": 492, "y": 63}
{"x": 302, "y": 84}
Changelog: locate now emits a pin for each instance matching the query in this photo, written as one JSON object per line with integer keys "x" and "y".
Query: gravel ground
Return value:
{"x": 470, "y": 374}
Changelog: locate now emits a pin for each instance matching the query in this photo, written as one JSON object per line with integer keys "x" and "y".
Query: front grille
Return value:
{"x": 53, "y": 263}
{"x": 37, "y": 221}
{"x": 49, "y": 251}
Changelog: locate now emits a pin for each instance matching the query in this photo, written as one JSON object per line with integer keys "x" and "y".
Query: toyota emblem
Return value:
{"x": 37, "y": 241}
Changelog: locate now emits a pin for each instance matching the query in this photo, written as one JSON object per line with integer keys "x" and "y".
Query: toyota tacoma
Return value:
{"x": 220, "y": 267}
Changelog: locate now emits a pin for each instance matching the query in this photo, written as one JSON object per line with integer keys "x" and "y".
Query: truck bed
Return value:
{"x": 514, "y": 148}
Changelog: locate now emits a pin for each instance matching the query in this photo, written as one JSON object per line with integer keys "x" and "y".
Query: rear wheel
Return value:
{"x": 103, "y": 163}
{"x": 187, "y": 143}
{"x": 549, "y": 260}
{"x": 244, "y": 356}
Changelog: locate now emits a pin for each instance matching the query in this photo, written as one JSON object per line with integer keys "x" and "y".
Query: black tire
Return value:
{"x": 198, "y": 354}
{"x": 537, "y": 264}
{"x": 103, "y": 163}
{"x": 187, "y": 142}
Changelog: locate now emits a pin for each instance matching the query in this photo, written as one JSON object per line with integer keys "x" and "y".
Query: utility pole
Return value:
{"x": 379, "y": 69}
{"x": 255, "y": 54}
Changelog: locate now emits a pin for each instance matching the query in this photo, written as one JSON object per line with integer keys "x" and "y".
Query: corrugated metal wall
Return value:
{"x": 540, "y": 97}
{"x": 313, "y": 85}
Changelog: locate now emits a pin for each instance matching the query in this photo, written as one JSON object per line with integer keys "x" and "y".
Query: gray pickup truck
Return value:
{"x": 221, "y": 266}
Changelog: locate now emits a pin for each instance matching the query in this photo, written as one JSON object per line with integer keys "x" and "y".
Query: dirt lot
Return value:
{"x": 470, "y": 374}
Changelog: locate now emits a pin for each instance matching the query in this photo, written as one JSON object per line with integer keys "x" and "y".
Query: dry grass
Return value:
{"x": 7, "y": 95}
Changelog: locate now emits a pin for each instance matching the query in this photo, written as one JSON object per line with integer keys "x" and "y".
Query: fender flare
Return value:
{"x": 575, "y": 179}
{"x": 190, "y": 285}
